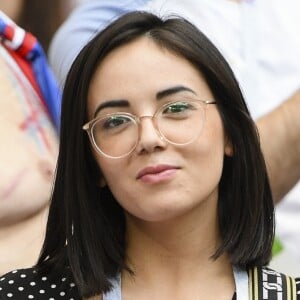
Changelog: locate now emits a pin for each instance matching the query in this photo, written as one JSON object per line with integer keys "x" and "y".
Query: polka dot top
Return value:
{"x": 25, "y": 284}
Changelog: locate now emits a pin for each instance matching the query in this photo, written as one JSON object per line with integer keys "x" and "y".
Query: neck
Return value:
{"x": 172, "y": 239}
{"x": 173, "y": 258}
{"x": 21, "y": 242}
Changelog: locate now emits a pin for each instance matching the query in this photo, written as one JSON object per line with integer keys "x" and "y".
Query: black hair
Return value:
{"x": 86, "y": 225}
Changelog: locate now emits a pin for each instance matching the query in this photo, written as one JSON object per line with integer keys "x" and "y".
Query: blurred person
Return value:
{"x": 29, "y": 117}
{"x": 42, "y": 18}
{"x": 260, "y": 39}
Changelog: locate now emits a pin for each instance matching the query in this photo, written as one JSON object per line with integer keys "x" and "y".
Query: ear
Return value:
{"x": 228, "y": 149}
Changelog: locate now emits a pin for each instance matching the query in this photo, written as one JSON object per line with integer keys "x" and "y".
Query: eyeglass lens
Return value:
{"x": 179, "y": 123}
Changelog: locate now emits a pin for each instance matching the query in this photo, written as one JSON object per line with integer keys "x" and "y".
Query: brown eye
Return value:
{"x": 178, "y": 109}
{"x": 116, "y": 121}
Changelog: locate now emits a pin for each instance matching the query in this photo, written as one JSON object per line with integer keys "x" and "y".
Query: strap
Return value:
{"x": 115, "y": 293}
{"x": 241, "y": 283}
{"x": 265, "y": 283}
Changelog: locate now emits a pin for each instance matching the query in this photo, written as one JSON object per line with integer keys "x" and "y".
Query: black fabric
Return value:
{"x": 266, "y": 283}
{"x": 27, "y": 284}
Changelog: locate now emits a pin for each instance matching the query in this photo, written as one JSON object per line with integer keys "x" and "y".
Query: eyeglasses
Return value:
{"x": 116, "y": 135}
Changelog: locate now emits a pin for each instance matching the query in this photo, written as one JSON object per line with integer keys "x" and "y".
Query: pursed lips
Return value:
{"x": 156, "y": 170}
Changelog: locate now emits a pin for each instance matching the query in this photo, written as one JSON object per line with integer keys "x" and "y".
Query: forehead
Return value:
{"x": 139, "y": 54}
{"x": 141, "y": 69}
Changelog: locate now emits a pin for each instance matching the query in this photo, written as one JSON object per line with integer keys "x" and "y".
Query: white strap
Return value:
{"x": 240, "y": 277}
{"x": 241, "y": 284}
{"x": 115, "y": 293}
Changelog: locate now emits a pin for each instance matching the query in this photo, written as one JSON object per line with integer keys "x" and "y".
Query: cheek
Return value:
{"x": 118, "y": 181}
{"x": 208, "y": 162}
{"x": 207, "y": 154}
{"x": 111, "y": 173}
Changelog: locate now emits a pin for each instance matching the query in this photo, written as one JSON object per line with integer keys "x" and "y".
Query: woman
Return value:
{"x": 170, "y": 198}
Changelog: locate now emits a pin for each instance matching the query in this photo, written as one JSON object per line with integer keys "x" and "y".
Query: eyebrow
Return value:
{"x": 173, "y": 90}
{"x": 111, "y": 103}
{"x": 159, "y": 95}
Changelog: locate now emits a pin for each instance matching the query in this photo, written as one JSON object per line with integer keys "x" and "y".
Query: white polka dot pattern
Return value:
{"x": 26, "y": 284}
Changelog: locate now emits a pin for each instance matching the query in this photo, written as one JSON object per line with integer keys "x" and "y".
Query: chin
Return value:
{"x": 161, "y": 214}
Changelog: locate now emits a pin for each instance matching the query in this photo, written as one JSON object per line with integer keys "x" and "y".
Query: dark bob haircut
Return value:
{"x": 86, "y": 225}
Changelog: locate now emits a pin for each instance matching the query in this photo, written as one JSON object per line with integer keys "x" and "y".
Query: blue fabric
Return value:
{"x": 84, "y": 22}
{"x": 47, "y": 83}
{"x": 31, "y": 50}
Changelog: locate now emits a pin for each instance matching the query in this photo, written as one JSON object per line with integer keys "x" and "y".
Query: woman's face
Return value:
{"x": 28, "y": 147}
{"x": 158, "y": 181}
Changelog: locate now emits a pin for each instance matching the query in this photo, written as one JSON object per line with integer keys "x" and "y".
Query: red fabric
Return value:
{"x": 27, "y": 70}
{"x": 27, "y": 45}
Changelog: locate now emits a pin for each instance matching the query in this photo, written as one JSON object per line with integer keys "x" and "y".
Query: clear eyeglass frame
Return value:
{"x": 89, "y": 126}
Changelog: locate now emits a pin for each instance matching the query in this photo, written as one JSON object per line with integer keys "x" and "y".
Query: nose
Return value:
{"x": 150, "y": 139}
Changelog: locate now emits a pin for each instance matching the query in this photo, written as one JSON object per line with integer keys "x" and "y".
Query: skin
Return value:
{"x": 282, "y": 151}
{"x": 12, "y": 8}
{"x": 28, "y": 154}
{"x": 172, "y": 229}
